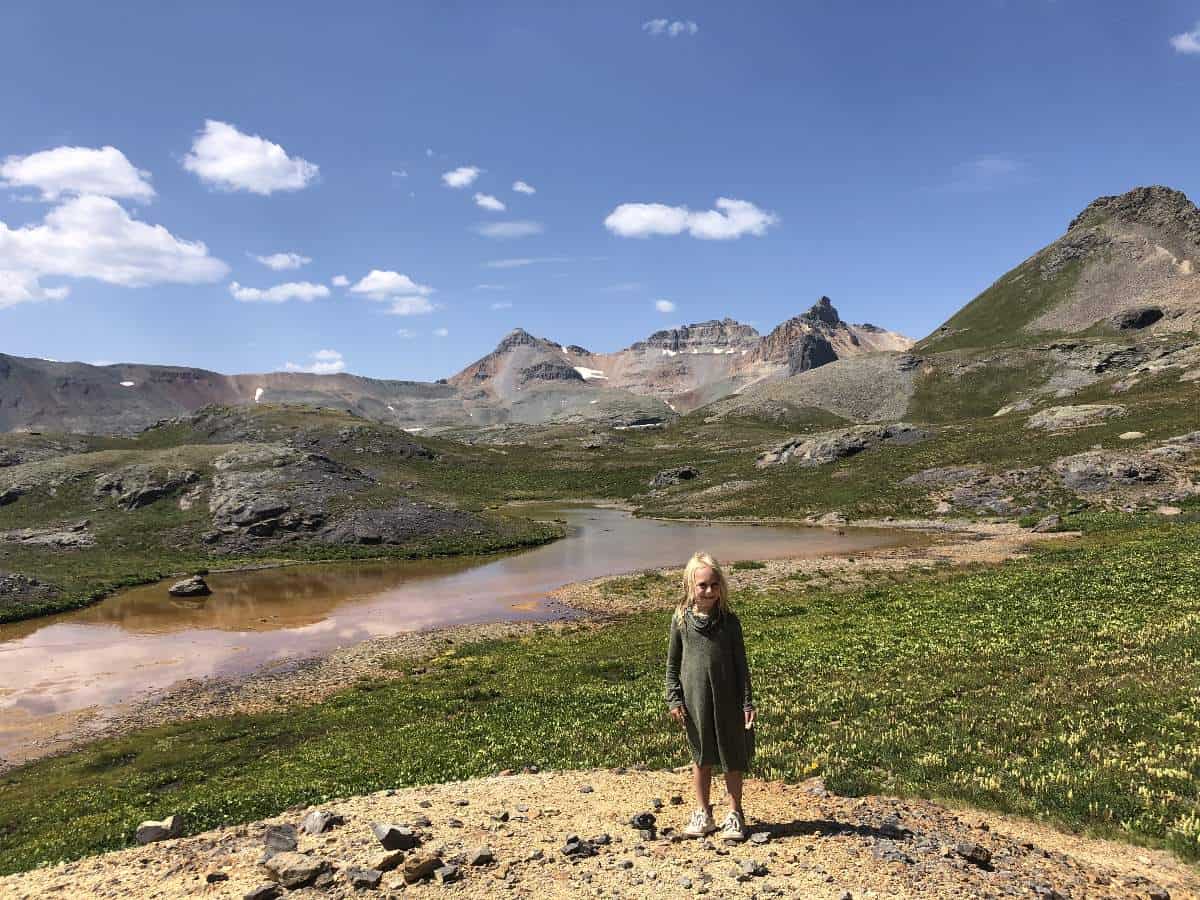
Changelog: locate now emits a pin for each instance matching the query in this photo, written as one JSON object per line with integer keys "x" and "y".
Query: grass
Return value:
{"x": 1061, "y": 687}
{"x": 997, "y": 316}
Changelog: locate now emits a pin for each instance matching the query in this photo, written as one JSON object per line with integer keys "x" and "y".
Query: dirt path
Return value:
{"x": 587, "y": 604}
{"x": 815, "y": 845}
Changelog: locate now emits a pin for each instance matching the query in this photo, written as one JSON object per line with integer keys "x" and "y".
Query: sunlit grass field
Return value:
{"x": 1062, "y": 687}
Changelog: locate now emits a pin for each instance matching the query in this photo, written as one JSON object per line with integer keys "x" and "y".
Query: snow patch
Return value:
{"x": 392, "y": 408}
{"x": 126, "y": 384}
{"x": 593, "y": 401}
{"x": 667, "y": 352}
{"x": 417, "y": 430}
{"x": 590, "y": 374}
{"x": 258, "y": 392}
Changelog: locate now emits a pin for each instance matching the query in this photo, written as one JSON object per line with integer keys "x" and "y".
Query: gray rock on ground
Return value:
{"x": 321, "y": 820}
{"x": 1055, "y": 418}
{"x": 395, "y": 837}
{"x": 150, "y": 831}
{"x": 294, "y": 870}
{"x": 668, "y": 477}
{"x": 839, "y": 443}
{"x": 138, "y": 486}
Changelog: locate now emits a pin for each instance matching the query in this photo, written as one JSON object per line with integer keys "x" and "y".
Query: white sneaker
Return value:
{"x": 701, "y": 824}
{"x": 734, "y": 827}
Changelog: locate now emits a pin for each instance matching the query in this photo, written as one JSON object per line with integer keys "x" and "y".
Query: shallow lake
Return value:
{"x": 142, "y": 640}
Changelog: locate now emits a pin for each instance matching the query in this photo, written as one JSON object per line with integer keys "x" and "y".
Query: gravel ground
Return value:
{"x": 805, "y": 843}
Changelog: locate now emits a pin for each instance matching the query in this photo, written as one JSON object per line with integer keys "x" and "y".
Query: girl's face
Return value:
{"x": 707, "y": 590}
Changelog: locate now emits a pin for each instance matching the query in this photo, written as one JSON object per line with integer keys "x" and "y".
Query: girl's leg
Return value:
{"x": 733, "y": 784}
{"x": 702, "y": 782}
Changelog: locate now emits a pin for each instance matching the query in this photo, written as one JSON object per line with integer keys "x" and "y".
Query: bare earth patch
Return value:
{"x": 814, "y": 845}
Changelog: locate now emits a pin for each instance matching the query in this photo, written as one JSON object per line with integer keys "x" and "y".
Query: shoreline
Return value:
{"x": 311, "y": 679}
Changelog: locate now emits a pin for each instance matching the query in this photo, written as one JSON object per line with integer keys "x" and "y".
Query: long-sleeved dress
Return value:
{"x": 707, "y": 674}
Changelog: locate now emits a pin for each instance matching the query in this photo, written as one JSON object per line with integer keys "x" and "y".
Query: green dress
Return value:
{"x": 707, "y": 675}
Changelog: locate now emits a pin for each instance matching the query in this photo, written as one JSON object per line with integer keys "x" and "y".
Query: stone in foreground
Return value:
{"x": 149, "y": 832}
{"x": 294, "y": 870}
{"x": 395, "y": 837}
{"x": 190, "y": 587}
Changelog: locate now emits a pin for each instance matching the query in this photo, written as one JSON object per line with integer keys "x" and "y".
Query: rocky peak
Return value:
{"x": 823, "y": 311}
{"x": 518, "y": 337}
{"x": 1157, "y": 206}
{"x": 724, "y": 333}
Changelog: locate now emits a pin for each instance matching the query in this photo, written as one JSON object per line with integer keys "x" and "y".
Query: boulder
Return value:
{"x": 395, "y": 837}
{"x": 268, "y": 891}
{"x": 1056, "y": 418}
{"x": 320, "y": 820}
{"x": 668, "y": 477}
{"x": 280, "y": 838}
{"x": 480, "y": 856}
{"x": 1131, "y": 435}
{"x": 1136, "y": 317}
{"x": 363, "y": 879}
{"x": 151, "y": 831}
{"x": 1048, "y": 523}
{"x": 294, "y": 870}
{"x": 830, "y": 446}
{"x": 139, "y": 486}
{"x": 1101, "y": 470}
{"x": 195, "y": 586}
{"x": 419, "y": 867}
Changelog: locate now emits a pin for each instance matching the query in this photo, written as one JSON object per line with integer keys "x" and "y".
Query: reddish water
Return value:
{"x": 142, "y": 640}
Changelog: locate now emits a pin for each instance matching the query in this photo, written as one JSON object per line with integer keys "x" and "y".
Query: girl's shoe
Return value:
{"x": 734, "y": 827}
{"x": 701, "y": 824}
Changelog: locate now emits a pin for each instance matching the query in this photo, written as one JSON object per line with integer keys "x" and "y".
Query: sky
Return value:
{"x": 388, "y": 188}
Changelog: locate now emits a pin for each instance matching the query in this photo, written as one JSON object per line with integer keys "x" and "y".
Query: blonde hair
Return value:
{"x": 701, "y": 560}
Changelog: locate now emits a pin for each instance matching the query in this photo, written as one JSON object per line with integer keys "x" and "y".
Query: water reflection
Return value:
{"x": 143, "y": 640}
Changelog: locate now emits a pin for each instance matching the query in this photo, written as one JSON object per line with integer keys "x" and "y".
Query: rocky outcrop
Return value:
{"x": 138, "y": 486}
{"x": 830, "y": 446}
{"x": 1056, "y": 418}
{"x": 1103, "y": 470}
{"x": 677, "y": 475}
{"x": 1155, "y": 206}
{"x": 1136, "y": 318}
{"x": 401, "y": 522}
{"x": 1014, "y": 492}
{"x": 550, "y": 371}
{"x": 195, "y": 586}
{"x": 64, "y": 537}
{"x": 715, "y": 334}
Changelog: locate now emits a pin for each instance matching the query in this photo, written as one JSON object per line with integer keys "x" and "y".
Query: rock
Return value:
{"x": 576, "y": 848}
{"x": 586, "y": 789}
{"x": 319, "y": 821}
{"x": 419, "y": 867}
{"x": 975, "y": 854}
{"x": 676, "y": 800}
{"x": 195, "y": 586}
{"x": 668, "y": 477}
{"x": 421, "y": 821}
{"x": 1056, "y": 418}
{"x": 1103, "y": 470}
{"x": 151, "y": 831}
{"x": 268, "y": 891}
{"x": 139, "y": 486}
{"x": 385, "y": 862}
{"x": 752, "y": 868}
{"x": 395, "y": 837}
{"x": 10, "y": 495}
{"x": 215, "y": 877}
{"x": 1136, "y": 317}
{"x": 1168, "y": 510}
{"x": 1048, "y": 523}
{"x": 280, "y": 838}
{"x": 294, "y": 870}
{"x": 447, "y": 874}
{"x": 480, "y": 856}
{"x": 830, "y": 446}
{"x": 1131, "y": 435}
{"x": 642, "y": 820}
{"x": 760, "y": 837}
{"x": 363, "y": 878}
{"x": 67, "y": 537}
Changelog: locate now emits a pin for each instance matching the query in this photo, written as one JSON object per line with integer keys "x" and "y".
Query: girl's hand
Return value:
{"x": 678, "y": 713}
{"x": 750, "y": 714}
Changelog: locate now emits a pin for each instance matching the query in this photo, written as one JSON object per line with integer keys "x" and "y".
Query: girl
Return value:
{"x": 708, "y": 692}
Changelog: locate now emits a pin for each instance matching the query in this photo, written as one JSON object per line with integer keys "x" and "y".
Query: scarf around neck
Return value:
{"x": 701, "y": 624}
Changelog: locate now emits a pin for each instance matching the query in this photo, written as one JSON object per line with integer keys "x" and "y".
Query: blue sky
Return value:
{"x": 897, "y": 157}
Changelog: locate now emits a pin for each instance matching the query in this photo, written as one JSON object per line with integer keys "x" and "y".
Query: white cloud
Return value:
{"x": 502, "y": 304}
{"x": 23, "y": 287}
{"x": 490, "y": 287}
{"x": 1188, "y": 42}
{"x": 304, "y": 291}
{"x": 77, "y": 170}
{"x": 731, "y": 219}
{"x": 399, "y": 173}
{"x": 429, "y": 152}
{"x": 387, "y": 285}
{"x": 441, "y": 332}
{"x": 406, "y": 332}
{"x": 225, "y": 157}
{"x": 664, "y": 306}
{"x": 487, "y": 201}
{"x": 339, "y": 281}
{"x": 95, "y": 237}
{"x": 522, "y": 187}
{"x": 522, "y": 261}
{"x": 461, "y": 177}
{"x": 509, "y": 229}
{"x": 324, "y": 362}
{"x": 670, "y": 28}
{"x": 410, "y": 306}
{"x": 282, "y": 261}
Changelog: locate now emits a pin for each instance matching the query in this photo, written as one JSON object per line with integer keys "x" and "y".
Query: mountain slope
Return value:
{"x": 1127, "y": 262}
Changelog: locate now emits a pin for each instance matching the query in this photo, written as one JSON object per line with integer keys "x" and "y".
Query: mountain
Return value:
{"x": 1126, "y": 263}
{"x": 684, "y": 367}
{"x": 525, "y": 380}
